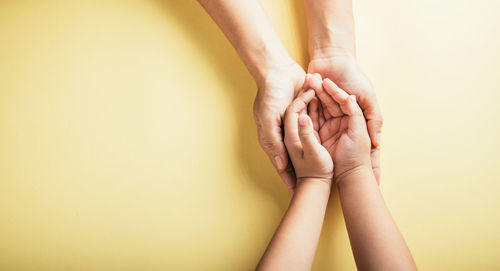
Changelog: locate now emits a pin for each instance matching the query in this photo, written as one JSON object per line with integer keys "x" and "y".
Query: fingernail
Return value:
{"x": 379, "y": 136}
{"x": 279, "y": 162}
{"x": 302, "y": 120}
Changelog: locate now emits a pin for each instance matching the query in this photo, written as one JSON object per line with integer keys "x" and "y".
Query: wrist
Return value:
{"x": 267, "y": 59}
{"x": 272, "y": 68}
{"x": 318, "y": 184}
{"x": 332, "y": 52}
{"x": 352, "y": 175}
{"x": 333, "y": 38}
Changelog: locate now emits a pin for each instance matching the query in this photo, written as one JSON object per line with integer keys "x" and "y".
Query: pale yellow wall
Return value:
{"x": 127, "y": 140}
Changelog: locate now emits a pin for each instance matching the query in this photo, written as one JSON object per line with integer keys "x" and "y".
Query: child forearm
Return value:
{"x": 294, "y": 243}
{"x": 375, "y": 239}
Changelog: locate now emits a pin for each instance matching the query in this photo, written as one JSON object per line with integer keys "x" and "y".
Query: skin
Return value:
{"x": 294, "y": 243}
{"x": 319, "y": 136}
{"x": 376, "y": 242}
{"x": 279, "y": 78}
{"x": 332, "y": 50}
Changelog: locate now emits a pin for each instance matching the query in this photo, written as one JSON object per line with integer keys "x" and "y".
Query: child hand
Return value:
{"x": 309, "y": 158}
{"x": 342, "y": 128}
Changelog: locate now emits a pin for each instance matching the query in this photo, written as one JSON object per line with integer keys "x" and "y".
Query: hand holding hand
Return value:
{"x": 275, "y": 93}
{"x": 310, "y": 159}
{"x": 342, "y": 68}
{"x": 342, "y": 127}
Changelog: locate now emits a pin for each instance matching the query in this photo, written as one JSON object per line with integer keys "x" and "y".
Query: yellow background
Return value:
{"x": 127, "y": 140}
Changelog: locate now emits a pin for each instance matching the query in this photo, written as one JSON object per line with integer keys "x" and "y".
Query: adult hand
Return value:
{"x": 343, "y": 69}
{"x": 275, "y": 92}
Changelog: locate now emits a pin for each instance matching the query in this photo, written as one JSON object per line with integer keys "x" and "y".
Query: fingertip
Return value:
{"x": 315, "y": 83}
{"x": 330, "y": 86}
{"x": 303, "y": 120}
{"x": 376, "y": 138}
{"x": 375, "y": 131}
{"x": 352, "y": 99}
{"x": 309, "y": 95}
{"x": 328, "y": 82}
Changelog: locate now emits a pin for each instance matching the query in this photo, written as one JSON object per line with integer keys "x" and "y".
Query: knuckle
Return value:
{"x": 378, "y": 122}
{"x": 268, "y": 145}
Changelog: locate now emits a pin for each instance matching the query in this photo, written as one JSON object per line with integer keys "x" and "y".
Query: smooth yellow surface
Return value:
{"x": 127, "y": 140}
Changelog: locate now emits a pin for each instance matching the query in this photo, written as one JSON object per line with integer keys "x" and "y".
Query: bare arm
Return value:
{"x": 294, "y": 243}
{"x": 245, "y": 24}
{"x": 332, "y": 49}
{"x": 279, "y": 78}
{"x": 331, "y": 26}
{"x": 375, "y": 239}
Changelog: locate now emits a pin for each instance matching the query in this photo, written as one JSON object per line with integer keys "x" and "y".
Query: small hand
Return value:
{"x": 342, "y": 129}
{"x": 310, "y": 159}
{"x": 275, "y": 93}
{"x": 342, "y": 68}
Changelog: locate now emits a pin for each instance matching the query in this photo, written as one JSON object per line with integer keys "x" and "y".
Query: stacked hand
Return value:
{"x": 324, "y": 130}
{"x": 328, "y": 123}
{"x": 281, "y": 85}
{"x": 343, "y": 69}
{"x": 275, "y": 93}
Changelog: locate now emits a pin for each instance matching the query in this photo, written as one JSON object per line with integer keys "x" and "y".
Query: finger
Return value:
{"x": 289, "y": 178}
{"x": 342, "y": 98}
{"x": 306, "y": 86}
{"x": 271, "y": 140}
{"x": 313, "y": 113}
{"x": 321, "y": 119}
{"x": 306, "y": 134}
{"x": 329, "y": 105}
{"x": 356, "y": 121}
{"x": 374, "y": 119}
{"x": 292, "y": 113}
{"x": 375, "y": 157}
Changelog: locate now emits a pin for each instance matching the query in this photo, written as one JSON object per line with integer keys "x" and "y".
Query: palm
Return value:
{"x": 333, "y": 135}
{"x": 346, "y": 73}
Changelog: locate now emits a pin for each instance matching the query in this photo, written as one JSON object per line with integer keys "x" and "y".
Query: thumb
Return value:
{"x": 306, "y": 134}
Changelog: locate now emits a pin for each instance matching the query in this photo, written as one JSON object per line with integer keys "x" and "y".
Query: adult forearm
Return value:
{"x": 375, "y": 239}
{"x": 331, "y": 27}
{"x": 294, "y": 243}
{"x": 247, "y": 27}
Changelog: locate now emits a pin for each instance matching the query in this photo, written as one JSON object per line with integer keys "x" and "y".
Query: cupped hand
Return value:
{"x": 310, "y": 159}
{"x": 275, "y": 93}
{"x": 342, "y": 128}
{"x": 343, "y": 69}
